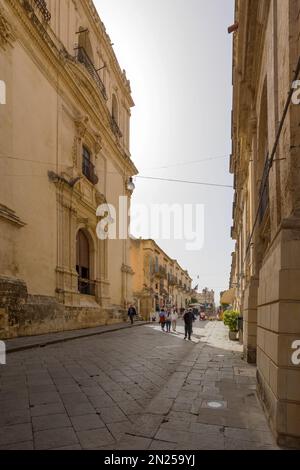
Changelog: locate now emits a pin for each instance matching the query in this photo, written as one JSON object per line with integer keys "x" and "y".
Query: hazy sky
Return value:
{"x": 178, "y": 57}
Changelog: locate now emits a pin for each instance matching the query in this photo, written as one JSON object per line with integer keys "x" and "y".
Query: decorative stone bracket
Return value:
{"x": 127, "y": 269}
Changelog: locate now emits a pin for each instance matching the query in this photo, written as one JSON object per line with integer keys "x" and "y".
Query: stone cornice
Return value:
{"x": 10, "y": 216}
{"x": 101, "y": 30}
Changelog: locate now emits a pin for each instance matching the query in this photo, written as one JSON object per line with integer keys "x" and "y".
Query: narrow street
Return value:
{"x": 137, "y": 388}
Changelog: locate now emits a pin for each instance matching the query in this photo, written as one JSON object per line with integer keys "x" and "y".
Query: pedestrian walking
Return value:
{"x": 174, "y": 318}
{"x": 153, "y": 316}
{"x": 188, "y": 318}
{"x": 162, "y": 319}
{"x": 168, "y": 321}
{"x": 131, "y": 313}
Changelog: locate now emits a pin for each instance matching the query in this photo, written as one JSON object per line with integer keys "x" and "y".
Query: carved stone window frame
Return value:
{"x": 85, "y": 136}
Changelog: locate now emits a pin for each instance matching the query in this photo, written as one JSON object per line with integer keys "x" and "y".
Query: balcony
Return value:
{"x": 172, "y": 280}
{"x": 86, "y": 287}
{"x": 42, "y": 6}
{"x": 84, "y": 59}
{"x": 88, "y": 169}
{"x": 115, "y": 128}
{"x": 162, "y": 290}
{"x": 39, "y": 7}
{"x": 163, "y": 272}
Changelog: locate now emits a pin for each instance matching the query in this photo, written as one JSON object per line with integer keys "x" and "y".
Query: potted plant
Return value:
{"x": 231, "y": 320}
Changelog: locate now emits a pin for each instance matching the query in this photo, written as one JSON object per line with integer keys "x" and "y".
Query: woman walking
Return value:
{"x": 174, "y": 318}
{"x": 168, "y": 321}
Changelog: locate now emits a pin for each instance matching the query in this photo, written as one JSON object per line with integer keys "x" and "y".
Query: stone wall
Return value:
{"x": 25, "y": 315}
{"x": 278, "y": 328}
{"x": 250, "y": 321}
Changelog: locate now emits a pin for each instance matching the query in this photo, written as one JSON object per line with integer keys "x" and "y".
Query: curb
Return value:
{"x": 70, "y": 338}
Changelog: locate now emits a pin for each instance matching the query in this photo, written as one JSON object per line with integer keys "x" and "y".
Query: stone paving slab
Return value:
{"x": 86, "y": 393}
{"x": 29, "y": 342}
{"x": 133, "y": 388}
{"x": 212, "y": 372}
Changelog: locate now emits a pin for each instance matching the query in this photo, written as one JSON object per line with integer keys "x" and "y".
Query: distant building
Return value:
{"x": 158, "y": 281}
{"x": 207, "y": 296}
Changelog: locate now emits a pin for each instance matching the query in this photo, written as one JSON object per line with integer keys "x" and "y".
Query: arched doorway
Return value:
{"x": 83, "y": 264}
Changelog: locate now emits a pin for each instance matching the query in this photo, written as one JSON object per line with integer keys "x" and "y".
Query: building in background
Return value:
{"x": 266, "y": 210}
{"x": 158, "y": 281}
{"x": 206, "y": 297}
{"x": 64, "y": 150}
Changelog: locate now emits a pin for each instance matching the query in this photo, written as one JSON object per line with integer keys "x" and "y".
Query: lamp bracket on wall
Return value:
{"x": 82, "y": 31}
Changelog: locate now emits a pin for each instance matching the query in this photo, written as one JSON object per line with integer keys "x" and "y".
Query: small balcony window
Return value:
{"x": 88, "y": 169}
{"x": 83, "y": 57}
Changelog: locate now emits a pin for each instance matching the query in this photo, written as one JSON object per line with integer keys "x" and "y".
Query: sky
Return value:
{"x": 178, "y": 57}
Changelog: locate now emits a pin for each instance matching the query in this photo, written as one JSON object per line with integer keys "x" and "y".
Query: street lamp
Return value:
{"x": 130, "y": 185}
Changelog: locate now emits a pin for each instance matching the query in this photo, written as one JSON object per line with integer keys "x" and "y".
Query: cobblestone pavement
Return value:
{"x": 137, "y": 388}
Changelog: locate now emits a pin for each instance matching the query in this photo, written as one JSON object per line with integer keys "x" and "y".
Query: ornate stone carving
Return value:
{"x": 100, "y": 198}
{"x": 81, "y": 126}
{"x": 7, "y": 36}
{"x": 127, "y": 269}
{"x": 98, "y": 144}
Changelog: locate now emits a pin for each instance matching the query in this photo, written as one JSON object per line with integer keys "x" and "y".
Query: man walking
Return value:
{"x": 131, "y": 313}
{"x": 188, "y": 318}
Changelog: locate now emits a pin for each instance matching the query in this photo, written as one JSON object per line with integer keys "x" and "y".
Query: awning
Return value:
{"x": 228, "y": 297}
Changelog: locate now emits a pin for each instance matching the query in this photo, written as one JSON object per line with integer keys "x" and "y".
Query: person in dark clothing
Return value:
{"x": 162, "y": 319}
{"x": 188, "y": 318}
{"x": 131, "y": 313}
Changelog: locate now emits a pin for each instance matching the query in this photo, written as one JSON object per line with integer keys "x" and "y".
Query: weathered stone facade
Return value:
{"x": 64, "y": 151}
{"x": 265, "y": 164}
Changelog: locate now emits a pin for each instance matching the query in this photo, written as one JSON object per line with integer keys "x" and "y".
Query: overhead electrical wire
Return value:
{"x": 193, "y": 162}
{"x": 184, "y": 181}
{"x": 171, "y": 180}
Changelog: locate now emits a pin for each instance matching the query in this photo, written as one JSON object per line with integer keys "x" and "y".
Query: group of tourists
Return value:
{"x": 168, "y": 318}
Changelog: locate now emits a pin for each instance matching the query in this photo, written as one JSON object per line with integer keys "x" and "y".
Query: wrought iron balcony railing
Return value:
{"x": 115, "y": 128}
{"x": 84, "y": 59}
{"x": 86, "y": 287}
{"x": 172, "y": 280}
{"x": 42, "y": 6}
{"x": 163, "y": 272}
{"x": 88, "y": 169}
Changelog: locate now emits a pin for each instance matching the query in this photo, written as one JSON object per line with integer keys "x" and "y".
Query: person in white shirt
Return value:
{"x": 174, "y": 318}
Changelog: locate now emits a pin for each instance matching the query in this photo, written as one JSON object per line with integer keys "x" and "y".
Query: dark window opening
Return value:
{"x": 85, "y": 284}
{"x": 88, "y": 169}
